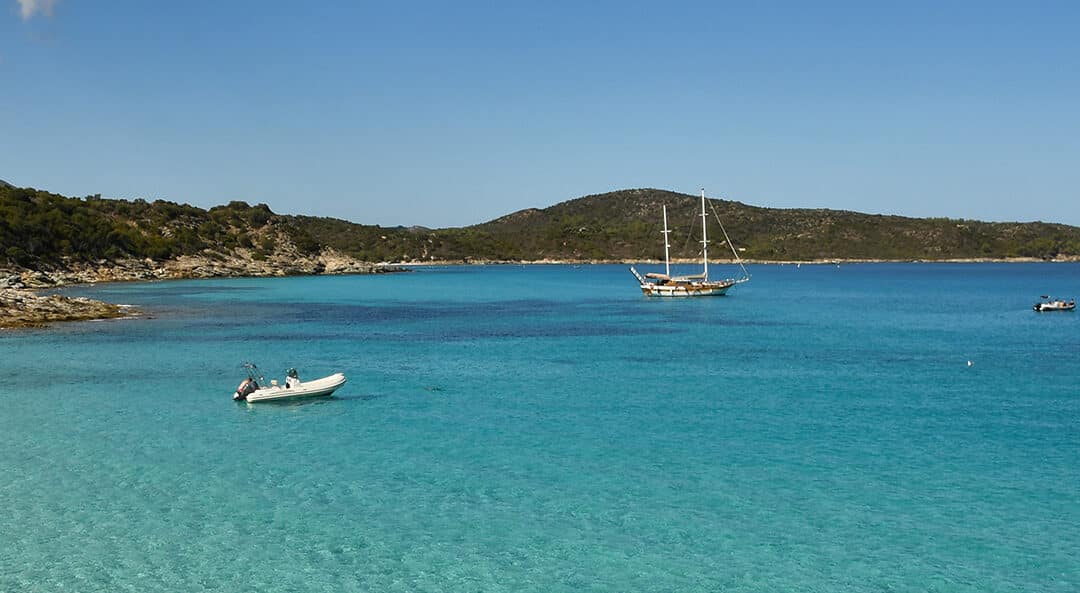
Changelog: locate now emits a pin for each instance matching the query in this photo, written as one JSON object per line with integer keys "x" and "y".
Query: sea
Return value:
{"x": 853, "y": 427}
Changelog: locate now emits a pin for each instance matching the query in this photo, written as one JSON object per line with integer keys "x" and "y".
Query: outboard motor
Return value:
{"x": 246, "y": 388}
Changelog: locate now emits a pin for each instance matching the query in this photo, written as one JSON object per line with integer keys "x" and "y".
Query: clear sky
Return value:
{"x": 453, "y": 113}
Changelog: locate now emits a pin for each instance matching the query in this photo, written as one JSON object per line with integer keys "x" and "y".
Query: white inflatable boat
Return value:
{"x": 251, "y": 392}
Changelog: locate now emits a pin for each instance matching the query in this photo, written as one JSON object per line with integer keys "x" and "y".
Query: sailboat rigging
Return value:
{"x": 666, "y": 285}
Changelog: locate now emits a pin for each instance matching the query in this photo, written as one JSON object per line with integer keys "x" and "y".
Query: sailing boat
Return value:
{"x": 666, "y": 285}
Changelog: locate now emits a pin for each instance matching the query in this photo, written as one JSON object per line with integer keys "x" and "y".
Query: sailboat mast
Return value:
{"x": 667, "y": 246}
{"x": 704, "y": 239}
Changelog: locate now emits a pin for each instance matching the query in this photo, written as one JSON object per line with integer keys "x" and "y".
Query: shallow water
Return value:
{"x": 547, "y": 428}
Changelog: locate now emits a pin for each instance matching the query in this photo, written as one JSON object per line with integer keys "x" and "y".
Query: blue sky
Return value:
{"x": 453, "y": 113}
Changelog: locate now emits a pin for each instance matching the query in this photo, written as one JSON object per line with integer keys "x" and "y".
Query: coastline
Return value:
{"x": 22, "y": 307}
{"x": 756, "y": 262}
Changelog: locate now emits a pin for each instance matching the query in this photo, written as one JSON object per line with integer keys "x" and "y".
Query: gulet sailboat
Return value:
{"x": 655, "y": 284}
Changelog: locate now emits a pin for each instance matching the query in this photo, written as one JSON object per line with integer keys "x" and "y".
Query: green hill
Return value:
{"x": 625, "y": 226}
{"x": 41, "y": 229}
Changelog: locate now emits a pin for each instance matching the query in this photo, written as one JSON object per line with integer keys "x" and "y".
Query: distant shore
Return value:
{"x": 21, "y": 306}
{"x": 756, "y": 262}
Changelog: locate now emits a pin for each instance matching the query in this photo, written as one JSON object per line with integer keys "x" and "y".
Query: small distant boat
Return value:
{"x": 251, "y": 392}
{"x": 1054, "y": 305}
{"x": 655, "y": 284}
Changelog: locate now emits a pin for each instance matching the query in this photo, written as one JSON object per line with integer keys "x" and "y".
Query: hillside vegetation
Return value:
{"x": 626, "y": 226}
{"x": 41, "y": 229}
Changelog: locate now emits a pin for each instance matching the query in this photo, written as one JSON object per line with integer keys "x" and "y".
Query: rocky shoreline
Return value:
{"x": 24, "y": 308}
{"x": 21, "y": 306}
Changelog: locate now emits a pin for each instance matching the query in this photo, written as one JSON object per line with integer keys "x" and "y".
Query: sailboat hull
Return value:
{"x": 695, "y": 289}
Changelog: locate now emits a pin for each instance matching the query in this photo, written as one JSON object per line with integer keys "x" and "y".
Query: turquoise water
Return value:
{"x": 546, "y": 428}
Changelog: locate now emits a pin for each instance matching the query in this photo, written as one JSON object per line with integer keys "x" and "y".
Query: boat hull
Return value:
{"x": 686, "y": 290}
{"x": 1046, "y": 307}
{"x": 308, "y": 389}
{"x": 662, "y": 285}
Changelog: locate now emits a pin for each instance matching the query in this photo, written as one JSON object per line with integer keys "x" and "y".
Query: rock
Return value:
{"x": 36, "y": 279}
{"x": 12, "y": 281}
{"x": 23, "y": 308}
